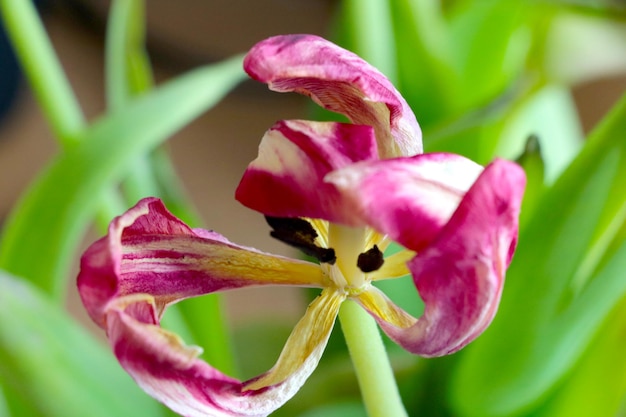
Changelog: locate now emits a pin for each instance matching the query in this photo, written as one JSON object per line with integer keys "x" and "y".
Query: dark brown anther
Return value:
{"x": 300, "y": 234}
{"x": 371, "y": 260}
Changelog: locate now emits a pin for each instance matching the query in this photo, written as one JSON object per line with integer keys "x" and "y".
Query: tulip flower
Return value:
{"x": 339, "y": 192}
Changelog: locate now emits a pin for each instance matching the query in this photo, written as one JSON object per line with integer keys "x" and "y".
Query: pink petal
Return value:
{"x": 150, "y": 259}
{"x": 340, "y": 81}
{"x": 149, "y": 251}
{"x": 460, "y": 274}
{"x": 287, "y": 178}
{"x": 410, "y": 199}
{"x": 170, "y": 371}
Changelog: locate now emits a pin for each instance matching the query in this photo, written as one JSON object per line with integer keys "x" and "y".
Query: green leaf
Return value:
{"x": 532, "y": 162}
{"x": 567, "y": 275}
{"x": 427, "y": 78}
{"x": 490, "y": 42}
{"x": 43, "y": 69}
{"x": 4, "y": 408}
{"x": 503, "y": 127}
{"x": 128, "y": 74}
{"x": 128, "y": 71}
{"x": 366, "y": 29}
{"x": 124, "y": 51}
{"x": 597, "y": 384}
{"x": 170, "y": 188}
{"x": 614, "y": 7}
{"x": 550, "y": 114}
{"x": 57, "y": 365}
{"x": 52, "y": 216}
{"x": 353, "y": 409}
{"x": 477, "y": 134}
{"x": 16, "y": 403}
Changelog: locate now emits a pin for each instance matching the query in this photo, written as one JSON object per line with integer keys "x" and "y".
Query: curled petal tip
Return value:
{"x": 460, "y": 275}
{"x": 339, "y": 81}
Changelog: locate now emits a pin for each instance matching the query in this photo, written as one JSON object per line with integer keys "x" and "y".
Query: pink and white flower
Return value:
{"x": 340, "y": 192}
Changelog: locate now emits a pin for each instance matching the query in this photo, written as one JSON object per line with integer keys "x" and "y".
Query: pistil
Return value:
{"x": 349, "y": 243}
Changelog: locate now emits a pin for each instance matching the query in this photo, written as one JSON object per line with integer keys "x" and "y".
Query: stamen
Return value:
{"x": 321, "y": 227}
{"x": 370, "y": 260}
{"x": 375, "y": 238}
{"x": 300, "y": 234}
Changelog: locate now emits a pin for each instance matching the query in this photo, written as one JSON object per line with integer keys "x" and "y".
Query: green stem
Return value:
{"x": 369, "y": 357}
{"x": 43, "y": 69}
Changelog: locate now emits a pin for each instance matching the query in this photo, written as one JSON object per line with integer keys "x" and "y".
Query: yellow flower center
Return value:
{"x": 351, "y": 257}
{"x": 348, "y": 243}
